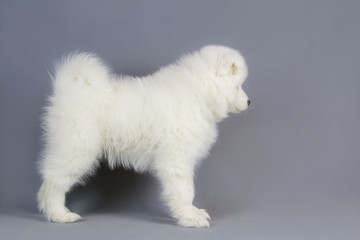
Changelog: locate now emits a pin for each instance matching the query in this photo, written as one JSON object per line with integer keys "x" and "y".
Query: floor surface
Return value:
{"x": 337, "y": 219}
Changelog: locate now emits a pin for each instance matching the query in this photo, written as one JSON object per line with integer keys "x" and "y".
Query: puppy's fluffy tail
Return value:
{"x": 83, "y": 70}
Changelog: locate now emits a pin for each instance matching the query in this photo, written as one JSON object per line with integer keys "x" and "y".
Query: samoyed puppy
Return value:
{"x": 163, "y": 123}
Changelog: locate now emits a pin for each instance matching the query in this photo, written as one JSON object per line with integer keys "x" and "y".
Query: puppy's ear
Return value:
{"x": 226, "y": 66}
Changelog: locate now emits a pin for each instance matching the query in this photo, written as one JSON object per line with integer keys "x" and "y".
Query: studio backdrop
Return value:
{"x": 288, "y": 166}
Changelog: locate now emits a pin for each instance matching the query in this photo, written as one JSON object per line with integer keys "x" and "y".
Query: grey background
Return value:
{"x": 288, "y": 168}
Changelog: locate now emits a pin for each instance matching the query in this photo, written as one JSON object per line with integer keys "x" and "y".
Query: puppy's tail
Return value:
{"x": 81, "y": 70}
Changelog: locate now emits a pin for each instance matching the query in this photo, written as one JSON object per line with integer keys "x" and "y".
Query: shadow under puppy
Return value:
{"x": 163, "y": 123}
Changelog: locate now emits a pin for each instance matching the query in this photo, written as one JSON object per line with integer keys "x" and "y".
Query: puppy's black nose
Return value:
{"x": 249, "y": 102}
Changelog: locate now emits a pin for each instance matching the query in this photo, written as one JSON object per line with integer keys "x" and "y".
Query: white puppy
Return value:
{"x": 164, "y": 123}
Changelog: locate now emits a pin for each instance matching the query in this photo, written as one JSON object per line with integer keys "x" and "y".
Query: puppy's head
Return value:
{"x": 229, "y": 71}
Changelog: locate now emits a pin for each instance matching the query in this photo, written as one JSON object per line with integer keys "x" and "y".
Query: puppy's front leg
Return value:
{"x": 178, "y": 192}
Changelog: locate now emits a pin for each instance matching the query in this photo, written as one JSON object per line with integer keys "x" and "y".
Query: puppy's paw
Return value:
{"x": 194, "y": 217}
{"x": 204, "y": 213}
{"x": 195, "y": 222}
{"x": 65, "y": 217}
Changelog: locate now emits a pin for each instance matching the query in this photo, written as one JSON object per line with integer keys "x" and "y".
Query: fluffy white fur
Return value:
{"x": 164, "y": 123}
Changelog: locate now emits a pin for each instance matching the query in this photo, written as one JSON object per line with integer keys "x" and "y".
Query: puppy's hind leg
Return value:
{"x": 51, "y": 199}
{"x": 60, "y": 173}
